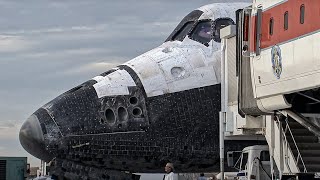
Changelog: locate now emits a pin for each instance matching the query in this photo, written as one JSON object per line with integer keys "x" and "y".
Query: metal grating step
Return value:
{"x": 300, "y": 132}
{"x": 295, "y": 125}
{"x": 3, "y": 167}
{"x": 311, "y": 167}
{"x": 310, "y": 146}
{"x": 311, "y": 160}
{"x": 303, "y": 139}
{"x": 306, "y": 153}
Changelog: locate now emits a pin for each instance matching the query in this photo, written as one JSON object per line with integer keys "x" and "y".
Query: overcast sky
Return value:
{"x": 50, "y": 46}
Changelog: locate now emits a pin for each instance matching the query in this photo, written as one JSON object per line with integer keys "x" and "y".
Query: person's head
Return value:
{"x": 201, "y": 174}
{"x": 168, "y": 168}
{"x": 205, "y": 31}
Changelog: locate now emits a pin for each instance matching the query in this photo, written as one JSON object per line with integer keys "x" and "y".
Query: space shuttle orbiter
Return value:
{"x": 160, "y": 106}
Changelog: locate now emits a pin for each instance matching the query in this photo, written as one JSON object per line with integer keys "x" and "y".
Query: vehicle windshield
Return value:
{"x": 183, "y": 31}
{"x": 202, "y": 32}
{"x": 244, "y": 161}
{"x": 185, "y": 26}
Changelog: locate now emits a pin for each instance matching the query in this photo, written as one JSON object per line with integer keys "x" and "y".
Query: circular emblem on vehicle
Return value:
{"x": 276, "y": 60}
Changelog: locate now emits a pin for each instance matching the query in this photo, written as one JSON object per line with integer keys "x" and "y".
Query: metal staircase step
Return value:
{"x": 308, "y": 153}
{"x": 311, "y": 167}
{"x": 300, "y": 132}
{"x": 303, "y": 139}
{"x": 294, "y": 125}
{"x": 291, "y": 119}
{"x": 310, "y": 146}
{"x": 311, "y": 160}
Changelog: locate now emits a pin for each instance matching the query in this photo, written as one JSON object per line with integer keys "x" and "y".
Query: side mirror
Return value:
{"x": 230, "y": 159}
{"x": 233, "y": 159}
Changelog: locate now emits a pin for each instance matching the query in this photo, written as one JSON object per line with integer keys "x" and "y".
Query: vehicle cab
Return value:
{"x": 254, "y": 163}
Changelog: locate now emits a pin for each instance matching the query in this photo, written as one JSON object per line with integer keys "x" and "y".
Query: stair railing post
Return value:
{"x": 281, "y": 148}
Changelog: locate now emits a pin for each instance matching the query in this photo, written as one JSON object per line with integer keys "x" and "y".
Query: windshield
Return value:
{"x": 202, "y": 32}
{"x": 185, "y": 26}
{"x": 264, "y": 156}
{"x": 244, "y": 161}
{"x": 182, "y": 33}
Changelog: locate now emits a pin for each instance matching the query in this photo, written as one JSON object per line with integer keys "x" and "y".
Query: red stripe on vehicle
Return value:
{"x": 295, "y": 29}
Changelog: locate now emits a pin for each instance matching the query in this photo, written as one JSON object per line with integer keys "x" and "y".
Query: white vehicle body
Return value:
{"x": 297, "y": 45}
{"x": 276, "y": 73}
{"x": 255, "y": 163}
{"x": 283, "y": 38}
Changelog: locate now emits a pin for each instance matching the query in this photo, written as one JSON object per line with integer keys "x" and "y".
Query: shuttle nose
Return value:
{"x": 32, "y": 140}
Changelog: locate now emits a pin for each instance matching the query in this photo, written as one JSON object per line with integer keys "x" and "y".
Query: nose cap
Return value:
{"x": 32, "y": 140}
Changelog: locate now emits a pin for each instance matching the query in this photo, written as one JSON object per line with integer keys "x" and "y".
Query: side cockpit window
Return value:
{"x": 206, "y": 30}
{"x": 202, "y": 32}
{"x": 219, "y": 24}
{"x": 185, "y": 26}
{"x": 182, "y": 32}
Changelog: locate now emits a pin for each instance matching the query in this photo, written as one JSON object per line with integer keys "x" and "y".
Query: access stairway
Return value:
{"x": 295, "y": 148}
{"x": 307, "y": 144}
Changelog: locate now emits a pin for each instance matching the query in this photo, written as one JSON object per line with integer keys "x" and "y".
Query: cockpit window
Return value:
{"x": 219, "y": 24}
{"x": 182, "y": 33}
{"x": 191, "y": 18}
{"x": 202, "y": 32}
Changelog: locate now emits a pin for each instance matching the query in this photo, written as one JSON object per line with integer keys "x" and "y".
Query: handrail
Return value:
{"x": 286, "y": 144}
{"x": 299, "y": 157}
{"x": 296, "y": 146}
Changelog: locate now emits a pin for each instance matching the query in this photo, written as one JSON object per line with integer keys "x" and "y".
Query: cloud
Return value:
{"x": 91, "y": 67}
{"x": 6, "y": 125}
{"x": 56, "y": 30}
{"x": 9, "y": 131}
{"x": 58, "y": 54}
{"x": 13, "y": 44}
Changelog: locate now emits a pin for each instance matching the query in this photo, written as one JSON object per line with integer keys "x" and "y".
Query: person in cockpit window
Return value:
{"x": 205, "y": 31}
